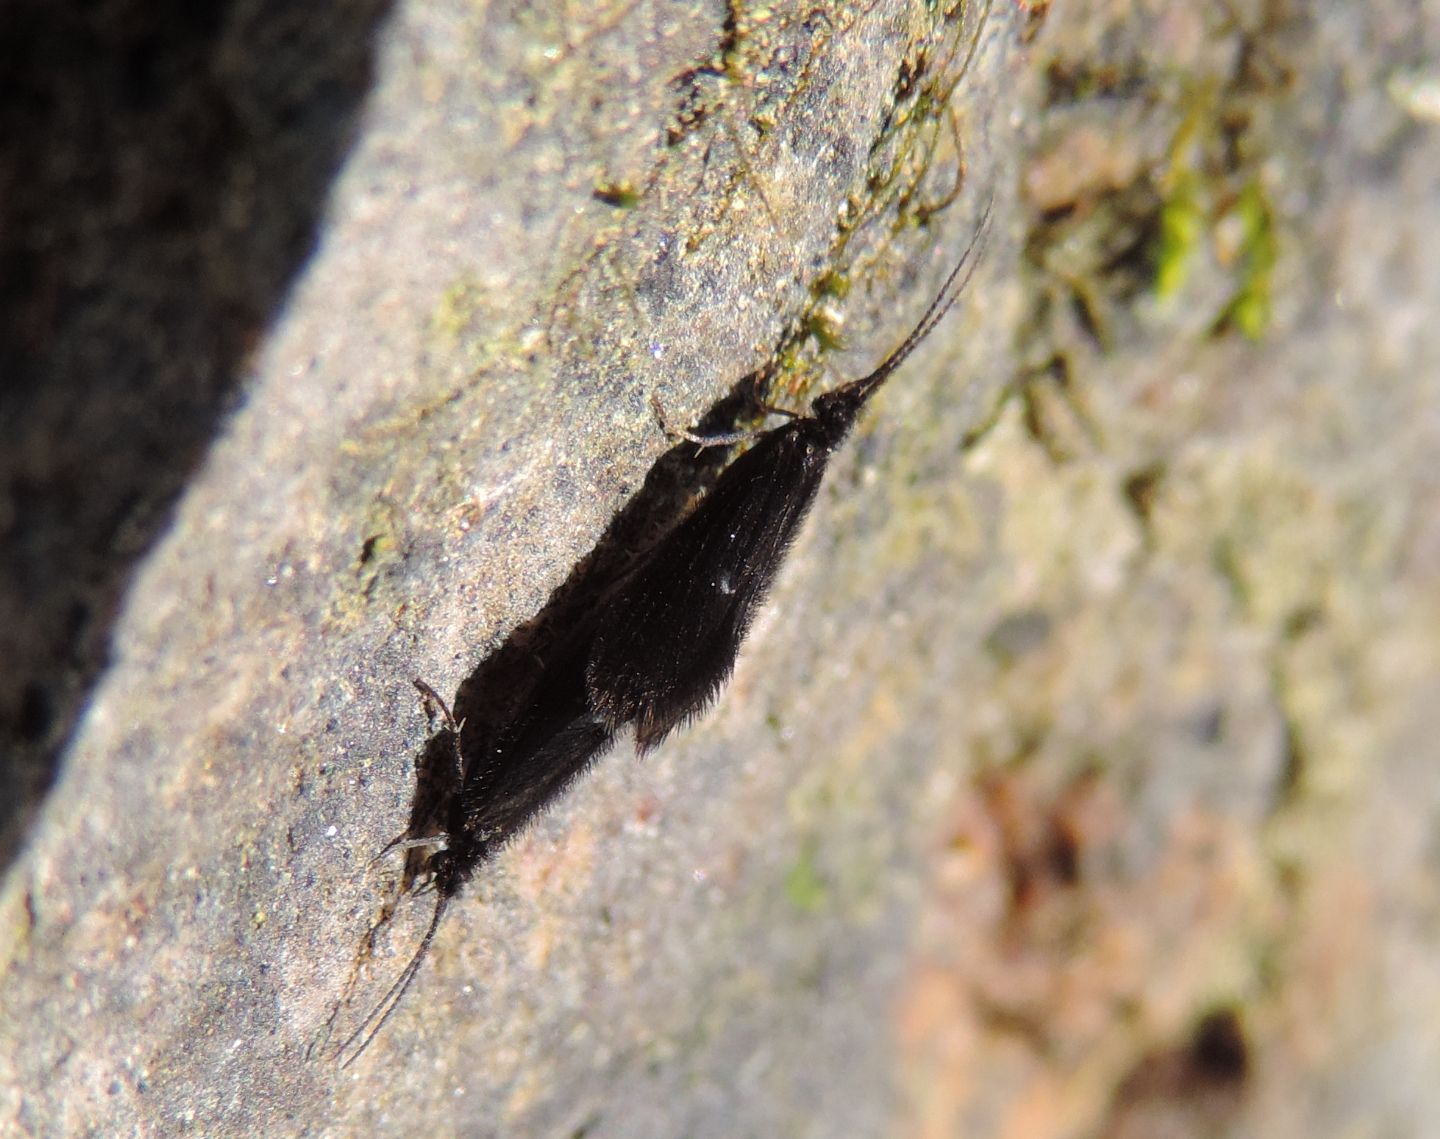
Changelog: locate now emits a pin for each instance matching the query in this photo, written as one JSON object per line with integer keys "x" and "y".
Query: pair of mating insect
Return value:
{"x": 655, "y": 648}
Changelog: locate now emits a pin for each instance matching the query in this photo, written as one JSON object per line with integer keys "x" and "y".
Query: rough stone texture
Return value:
{"x": 162, "y": 169}
{"x": 1080, "y": 779}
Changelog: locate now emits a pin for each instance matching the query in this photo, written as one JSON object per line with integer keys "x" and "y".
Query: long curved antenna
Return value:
{"x": 394, "y": 994}
{"x": 856, "y": 392}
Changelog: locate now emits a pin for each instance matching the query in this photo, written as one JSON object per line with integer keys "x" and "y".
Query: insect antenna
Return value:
{"x": 855, "y": 393}
{"x": 394, "y": 994}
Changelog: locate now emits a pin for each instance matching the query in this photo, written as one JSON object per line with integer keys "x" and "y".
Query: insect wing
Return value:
{"x": 529, "y": 761}
{"x": 668, "y": 637}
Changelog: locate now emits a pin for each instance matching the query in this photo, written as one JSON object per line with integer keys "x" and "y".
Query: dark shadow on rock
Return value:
{"x": 163, "y": 169}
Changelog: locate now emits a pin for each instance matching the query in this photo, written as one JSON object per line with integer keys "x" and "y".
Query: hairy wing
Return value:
{"x": 528, "y": 761}
{"x": 668, "y": 635}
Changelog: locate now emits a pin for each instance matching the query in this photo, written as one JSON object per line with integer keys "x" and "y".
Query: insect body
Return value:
{"x": 655, "y": 648}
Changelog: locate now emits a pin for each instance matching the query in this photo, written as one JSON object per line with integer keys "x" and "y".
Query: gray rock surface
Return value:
{"x": 1080, "y": 778}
